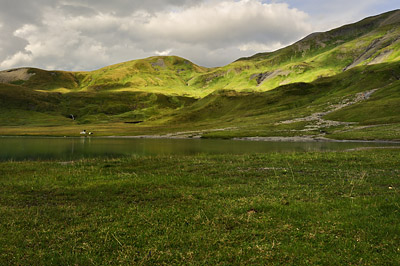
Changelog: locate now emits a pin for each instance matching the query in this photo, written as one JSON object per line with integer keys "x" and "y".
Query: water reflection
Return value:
{"x": 30, "y": 148}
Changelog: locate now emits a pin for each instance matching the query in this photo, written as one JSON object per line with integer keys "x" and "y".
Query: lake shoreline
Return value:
{"x": 265, "y": 139}
{"x": 261, "y": 139}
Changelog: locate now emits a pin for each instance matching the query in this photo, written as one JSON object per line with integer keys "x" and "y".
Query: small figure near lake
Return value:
{"x": 84, "y": 132}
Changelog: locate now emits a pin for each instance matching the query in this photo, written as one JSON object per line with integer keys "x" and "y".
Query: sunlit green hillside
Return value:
{"x": 328, "y": 84}
{"x": 371, "y": 41}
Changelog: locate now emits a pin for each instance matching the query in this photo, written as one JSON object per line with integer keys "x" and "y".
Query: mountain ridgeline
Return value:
{"x": 344, "y": 83}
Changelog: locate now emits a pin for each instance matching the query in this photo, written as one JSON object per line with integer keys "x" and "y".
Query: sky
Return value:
{"x": 82, "y": 35}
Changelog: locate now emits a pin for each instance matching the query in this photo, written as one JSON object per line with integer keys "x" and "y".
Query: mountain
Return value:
{"x": 349, "y": 75}
{"x": 371, "y": 41}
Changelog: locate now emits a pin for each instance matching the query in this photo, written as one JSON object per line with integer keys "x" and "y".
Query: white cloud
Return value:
{"x": 255, "y": 46}
{"x": 87, "y": 34}
{"x": 210, "y": 33}
{"x": 18, "y": 59}
{"x": 2, "y": 34}
{"x": 55, "y": 43}
{"x": 221, "y": 23}
{"x": 163, "y": 53}
{"x": 326, "y": 15}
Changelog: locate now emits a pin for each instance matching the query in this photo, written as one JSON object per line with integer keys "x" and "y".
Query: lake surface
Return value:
{"x": 33, "y": 148}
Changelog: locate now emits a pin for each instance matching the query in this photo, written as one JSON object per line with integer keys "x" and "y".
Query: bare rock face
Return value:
{"x": 381, "y": 57}
{"x": 159, "y": 63}
{"x": 262, "y": 77}
{"x": 8, "y": 76}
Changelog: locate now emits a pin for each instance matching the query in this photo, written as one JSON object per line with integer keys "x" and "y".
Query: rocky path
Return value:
{"x": 317, "y": 120}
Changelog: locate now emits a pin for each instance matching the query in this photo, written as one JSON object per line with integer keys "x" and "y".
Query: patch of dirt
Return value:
{"x": 12, "y": 75}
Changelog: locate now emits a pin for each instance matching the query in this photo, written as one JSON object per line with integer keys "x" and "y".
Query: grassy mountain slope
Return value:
{"x": 370, "y": 41}
{"x": 331, "y": 84}
{"x": 168, "y": 75}
{"x": 327, "y": 107}
{"x": 81, "y": 107}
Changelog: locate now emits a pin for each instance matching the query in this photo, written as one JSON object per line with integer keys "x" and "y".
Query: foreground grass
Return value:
{"x": 302, "y": 208}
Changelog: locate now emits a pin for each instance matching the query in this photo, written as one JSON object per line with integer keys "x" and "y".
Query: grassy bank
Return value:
{"x": 304, "y": 208}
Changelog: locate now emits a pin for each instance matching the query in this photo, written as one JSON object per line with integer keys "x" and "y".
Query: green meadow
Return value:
{"x": 323, "y": 208}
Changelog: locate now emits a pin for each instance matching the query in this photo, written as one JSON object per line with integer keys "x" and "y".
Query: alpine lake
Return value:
{"x": 52, "y": 148}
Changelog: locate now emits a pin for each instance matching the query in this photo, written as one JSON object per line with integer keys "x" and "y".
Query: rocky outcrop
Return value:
{"x": 159, "y": 63}
{"x": 262, "y": 77}
{"x": 12, "y": 75}
{"x": 376, "y": 50}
